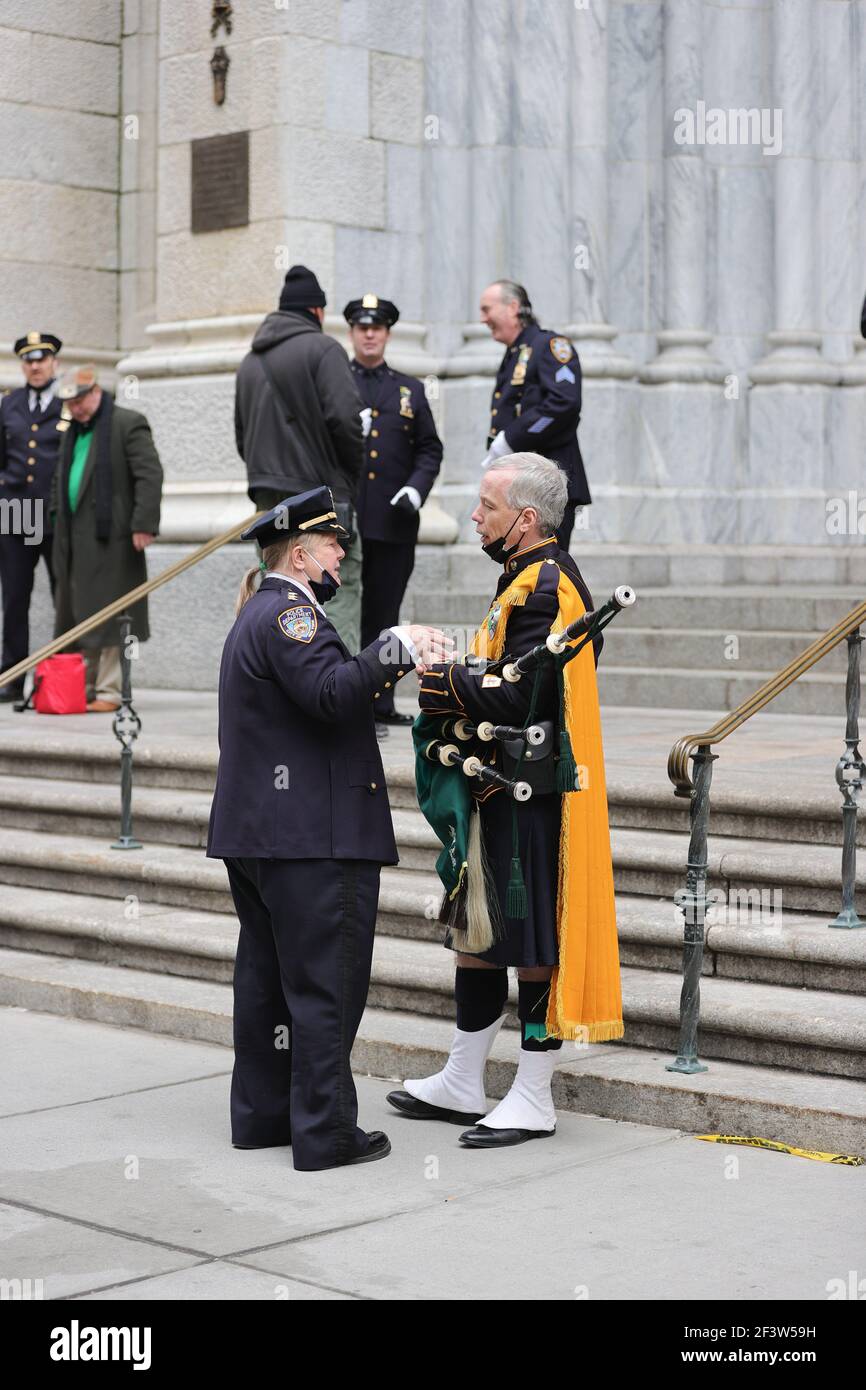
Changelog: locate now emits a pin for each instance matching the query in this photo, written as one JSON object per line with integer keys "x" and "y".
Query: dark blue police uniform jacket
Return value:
{"x": 296, "y": 708}
{"x": 536, "y": 400}
{"x": 402, "y": 449}
{"x": 29, "y": 445}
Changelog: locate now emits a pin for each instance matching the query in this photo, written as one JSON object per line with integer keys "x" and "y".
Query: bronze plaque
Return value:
{"x": 221, "y": 182}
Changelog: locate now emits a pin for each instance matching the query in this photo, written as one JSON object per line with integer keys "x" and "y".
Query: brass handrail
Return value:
{"x": 120, "y": 604}
{"x": 685, "y": 747}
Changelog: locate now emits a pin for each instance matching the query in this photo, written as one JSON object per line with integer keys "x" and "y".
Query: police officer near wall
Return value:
{"x": 403, "y": 455}
{"x": 536, "y": 399}
{"x": 31, "y": 430}
{"x": 301, "y": 817}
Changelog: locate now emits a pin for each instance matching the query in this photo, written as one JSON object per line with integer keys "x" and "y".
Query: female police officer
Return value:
{"x": 300, "y": 815}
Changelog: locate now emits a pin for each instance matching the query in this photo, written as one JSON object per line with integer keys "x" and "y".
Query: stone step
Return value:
{"x": 709, "y": 649}
{"x": 785, "y": 877}
{"x": 771, "y": 813}
{"x": 818, "y": 692}
{"x": 618, "y": 1081}
{"x": 66, "y": 803}
{"x": 779, "y": 949}
{"x": 662, "y": 566}
{"x": 732, "y": 610}
{"x": 760, "y": 1020}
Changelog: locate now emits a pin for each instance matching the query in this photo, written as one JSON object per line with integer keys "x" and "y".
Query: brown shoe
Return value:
{"x": 102, "y": 707}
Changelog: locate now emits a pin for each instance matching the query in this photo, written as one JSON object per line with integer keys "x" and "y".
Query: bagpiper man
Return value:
{"x": 31, "y": 430}
{"x": 536, "y": 396}
{"x": 403, "y": 454}
{"x": 300, "y": 815}
{"x": 532, "y": 881}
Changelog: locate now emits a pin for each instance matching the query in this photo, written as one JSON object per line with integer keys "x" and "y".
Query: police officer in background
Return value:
{"x": 403, "y": 454}
{"x": 30, "y": 435}
{"x": 301, "y": 817}
{"x": 536, "y": 399}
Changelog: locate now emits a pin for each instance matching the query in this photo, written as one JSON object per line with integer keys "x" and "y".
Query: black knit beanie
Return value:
{"x": 301, "y": 290}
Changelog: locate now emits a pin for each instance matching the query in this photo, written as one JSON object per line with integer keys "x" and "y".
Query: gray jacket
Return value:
{"x": 309, "y": 432}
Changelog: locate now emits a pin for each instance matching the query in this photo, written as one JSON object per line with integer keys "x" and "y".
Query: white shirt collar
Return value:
{"x": 44, "y": 399}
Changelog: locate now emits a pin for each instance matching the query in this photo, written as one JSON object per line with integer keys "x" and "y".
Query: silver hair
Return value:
{"x": 510, "y": 289}
{"x": 537, "y": 483}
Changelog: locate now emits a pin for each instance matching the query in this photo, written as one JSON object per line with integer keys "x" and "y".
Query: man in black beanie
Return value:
{"x": 298, "y": 424}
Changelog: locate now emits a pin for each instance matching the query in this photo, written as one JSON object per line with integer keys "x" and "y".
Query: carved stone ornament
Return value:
{"x": 219, "y": 66}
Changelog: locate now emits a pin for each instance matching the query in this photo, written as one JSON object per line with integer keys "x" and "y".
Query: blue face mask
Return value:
{"x": 324, "y": 588}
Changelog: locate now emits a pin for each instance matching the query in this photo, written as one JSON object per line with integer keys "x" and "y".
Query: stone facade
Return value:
{"x": 679, "y": 183}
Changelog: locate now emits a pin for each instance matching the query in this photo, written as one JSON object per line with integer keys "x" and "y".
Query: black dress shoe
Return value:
{"x": 380, "y": 1147}
{"x": 417, "y": 1109}
{"x": 480, "y": 1137}
{"x": 8, "y": 693}
{"x": 394, "y": 717}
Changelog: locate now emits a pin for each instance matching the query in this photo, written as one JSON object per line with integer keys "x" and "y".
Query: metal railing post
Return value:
{"x": 127, "y": 727}
{"x": 693, "y": 902}
{"x": 850, "y": 772}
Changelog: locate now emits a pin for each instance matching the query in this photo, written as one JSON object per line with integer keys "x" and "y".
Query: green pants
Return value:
{"x": 344, "y": 609}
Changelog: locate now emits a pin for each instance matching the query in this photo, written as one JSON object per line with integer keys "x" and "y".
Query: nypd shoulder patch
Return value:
{"x": 298, "y": 623}
{"x": 561, "y": 349}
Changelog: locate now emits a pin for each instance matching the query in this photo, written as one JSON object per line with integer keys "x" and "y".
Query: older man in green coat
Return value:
{"x": 105, "y": 501}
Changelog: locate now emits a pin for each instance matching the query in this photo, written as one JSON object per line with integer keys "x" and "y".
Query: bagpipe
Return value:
{"x": 528, "y": 748}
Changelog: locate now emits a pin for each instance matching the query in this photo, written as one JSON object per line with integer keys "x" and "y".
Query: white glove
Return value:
{"x": 412, "y": 493}
{"x": 499, "y": 449}
{"x": 366, "y": 420}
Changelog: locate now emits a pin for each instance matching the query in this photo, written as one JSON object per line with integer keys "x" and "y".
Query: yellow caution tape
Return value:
{"x": 853, "y": 1160}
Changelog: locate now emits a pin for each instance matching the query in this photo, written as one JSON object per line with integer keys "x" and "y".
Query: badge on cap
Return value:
{"x": 298, "y": 623}
{"x": 561, "y": 349}
{"x": 33, "y": 337}
{"x": 370, "y": 301}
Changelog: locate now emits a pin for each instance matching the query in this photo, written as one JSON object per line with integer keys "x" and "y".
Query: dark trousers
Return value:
{"x": 302, "y": 973}
{"x": 17, "y": 570}
{"x": 563, "y": 534}
{"x": 385, "y": 572}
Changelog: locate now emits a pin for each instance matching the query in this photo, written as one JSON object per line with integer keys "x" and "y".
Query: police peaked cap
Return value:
{"x": 371, "y": 309}
{"x": 34, "y": 345}
{"x": 306, "y": 511}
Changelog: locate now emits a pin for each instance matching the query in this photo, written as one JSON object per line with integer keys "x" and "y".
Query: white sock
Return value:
{"x": 460, "y": 1084}
{"x": 529, "y": 1103}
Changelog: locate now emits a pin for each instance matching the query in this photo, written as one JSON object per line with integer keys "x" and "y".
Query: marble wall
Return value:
{"x": 681, "y": 184}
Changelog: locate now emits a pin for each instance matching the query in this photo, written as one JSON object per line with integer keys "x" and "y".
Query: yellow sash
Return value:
{"x": 585, "y": 996}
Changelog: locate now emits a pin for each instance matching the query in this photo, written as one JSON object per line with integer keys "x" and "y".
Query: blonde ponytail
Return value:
{"x": 248, "y": 587}
{"x": 273, "y": 557}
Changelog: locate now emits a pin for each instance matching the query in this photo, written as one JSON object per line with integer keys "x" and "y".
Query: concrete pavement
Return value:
{"x": 118, "y": 1181}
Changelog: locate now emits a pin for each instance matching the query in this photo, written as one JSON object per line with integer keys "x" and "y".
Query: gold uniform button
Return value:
{"x": 31, "y": 444}
{"x": 34, "y": 427}
{"x": 387, "y": 685}
{"x": 377, "y": 694}
{"x": 374, "y": 434}
{"x": 372, "y": 786}
{"x": 400, "y": 673}
{"x": 375, "y": 414}
{"x": 496, "y": 395}
{"x": 371, "y": 475}
{"x": 30, "y": 477}
{"x": 374, "y": 454}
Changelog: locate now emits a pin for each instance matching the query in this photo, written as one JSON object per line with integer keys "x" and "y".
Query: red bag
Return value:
{"x": 59, "y": 685}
